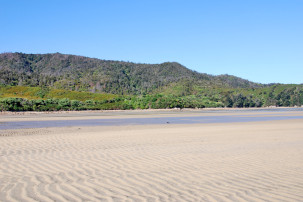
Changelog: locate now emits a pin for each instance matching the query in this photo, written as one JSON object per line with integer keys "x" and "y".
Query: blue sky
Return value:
{"x": 259, "y": 40}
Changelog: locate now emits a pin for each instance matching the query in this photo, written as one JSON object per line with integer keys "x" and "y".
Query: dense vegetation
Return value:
{"x": 43, "y": 82}
{"x": 78, "y": 73}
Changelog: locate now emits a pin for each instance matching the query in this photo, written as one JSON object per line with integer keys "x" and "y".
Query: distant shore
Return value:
{"x": 144, "y": 110}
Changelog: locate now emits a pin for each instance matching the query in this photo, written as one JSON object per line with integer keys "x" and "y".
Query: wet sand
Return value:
{"x": 250, "y": 161}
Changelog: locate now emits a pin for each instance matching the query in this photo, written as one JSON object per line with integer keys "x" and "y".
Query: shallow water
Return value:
{"x": 144, "y": 121}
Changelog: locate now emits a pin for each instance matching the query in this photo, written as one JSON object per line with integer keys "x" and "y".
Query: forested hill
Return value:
{"x": 48, "y": 82}
{"x": 77, "y": 73}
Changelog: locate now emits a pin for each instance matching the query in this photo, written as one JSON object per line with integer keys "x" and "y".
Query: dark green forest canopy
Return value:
{"x": 79, "y": 73}
{"x": 64, "y": 82}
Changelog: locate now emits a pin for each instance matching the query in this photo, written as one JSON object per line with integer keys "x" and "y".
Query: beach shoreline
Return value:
{"x": 188, "y": 162}
{"x": 145, "y": 110}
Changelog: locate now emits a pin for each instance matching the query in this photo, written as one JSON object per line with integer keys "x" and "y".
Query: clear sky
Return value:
{"x": 259, "y": 40}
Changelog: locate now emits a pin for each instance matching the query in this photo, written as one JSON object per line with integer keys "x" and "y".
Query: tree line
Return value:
{"x": 287, "y": 98}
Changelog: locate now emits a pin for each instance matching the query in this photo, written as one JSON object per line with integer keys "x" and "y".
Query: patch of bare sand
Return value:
{"x": 204, "y": 162}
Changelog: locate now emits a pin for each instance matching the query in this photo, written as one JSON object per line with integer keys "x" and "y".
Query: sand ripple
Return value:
{"x": 220, "y": 162}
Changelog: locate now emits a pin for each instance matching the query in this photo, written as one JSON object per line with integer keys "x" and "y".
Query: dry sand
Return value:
{"x": 199, "y": 162}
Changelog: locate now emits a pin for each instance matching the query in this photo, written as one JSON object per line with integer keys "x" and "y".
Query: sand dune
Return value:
{"x": 203, "y": 162}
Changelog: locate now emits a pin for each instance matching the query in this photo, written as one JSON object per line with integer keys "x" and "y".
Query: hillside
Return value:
{"x": 79, "y": 73}
{"x": 43, "y": 82}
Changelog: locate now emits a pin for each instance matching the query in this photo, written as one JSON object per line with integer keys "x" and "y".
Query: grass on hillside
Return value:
{"x": 45, "y": 93}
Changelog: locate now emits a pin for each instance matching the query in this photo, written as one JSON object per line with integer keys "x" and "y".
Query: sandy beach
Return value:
{"x": 251, "y": 161}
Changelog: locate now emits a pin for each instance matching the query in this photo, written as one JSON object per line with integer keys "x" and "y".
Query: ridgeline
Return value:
{"x": 43, "y": 82}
